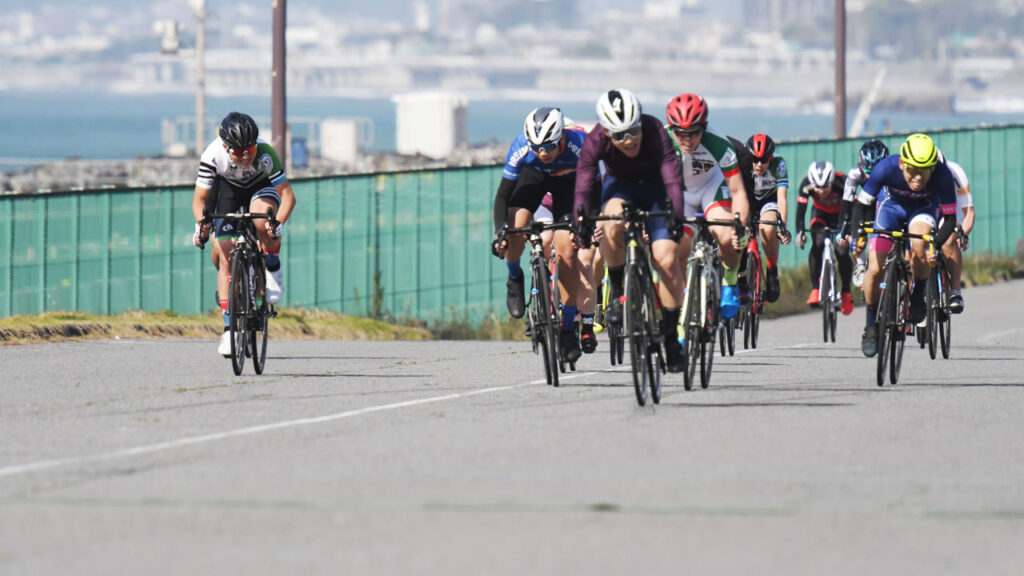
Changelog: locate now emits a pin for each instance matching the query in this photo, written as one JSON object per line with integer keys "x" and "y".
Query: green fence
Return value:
{"x": 417, "y": 243}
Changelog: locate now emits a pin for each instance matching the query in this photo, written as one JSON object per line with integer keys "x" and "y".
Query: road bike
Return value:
{"x": 893, "y": 318}
{"x": 543, "y": 311}
{"x": 249, "y": 312}
{"x": 641, "y": 324}
{"x": 830, "y": 298}
{"x": 749, "y": 317}
{"x": 700, "y": 318}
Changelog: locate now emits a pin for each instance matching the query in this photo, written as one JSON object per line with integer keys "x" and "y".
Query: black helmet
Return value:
{"x": 872, "y": 152}
{"x": 761, "y": 146}
{"x": 238, "y": 130}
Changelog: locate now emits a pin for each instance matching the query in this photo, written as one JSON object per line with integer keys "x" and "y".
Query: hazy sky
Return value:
{"x": 380, "y": 9}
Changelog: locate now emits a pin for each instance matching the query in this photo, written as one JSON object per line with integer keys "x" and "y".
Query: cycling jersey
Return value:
{"x": 655, "y": 165}
{"x": 216, "y": 162}
{"x": 887, "y": 176}
{"x": 777, "y": 176}
{"x": 830, "y": 202}
{"x": 520, "y": 155}
{"x": 855, "y": 178}
{"x": 710, "y": 164}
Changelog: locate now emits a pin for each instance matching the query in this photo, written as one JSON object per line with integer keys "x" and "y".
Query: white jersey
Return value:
{"x": 216, "y": 161}
{"x": 963, "y": 196}
{"x": 706, "y": 168}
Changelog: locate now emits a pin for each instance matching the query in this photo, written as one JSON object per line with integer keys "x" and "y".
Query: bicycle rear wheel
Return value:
{"x": 258, "y": 338}
{"x": 238, "y": 311}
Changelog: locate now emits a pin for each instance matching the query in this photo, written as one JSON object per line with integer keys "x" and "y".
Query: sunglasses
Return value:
{"x": 691, "y": 131}
{"x": 633, "y": 132}
{"x": 762, "y": 161}
{"x": 243, "y": 152}
{"x": 545, "y": 147}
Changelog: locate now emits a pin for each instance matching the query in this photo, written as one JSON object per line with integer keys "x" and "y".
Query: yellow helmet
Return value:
{"x": 919, "y": 150}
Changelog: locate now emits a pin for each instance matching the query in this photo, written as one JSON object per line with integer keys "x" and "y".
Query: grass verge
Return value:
{"x": 299, "y": 324}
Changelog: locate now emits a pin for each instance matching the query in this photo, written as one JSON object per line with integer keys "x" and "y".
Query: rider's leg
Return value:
{"x": 770, "y": 243}
{"x": 954, "y": 262}
{"x": 730, "y": 256}
{"x": 921, "y": 224}
{"x": 613, "y": 251}
{"x": 271, "y": 246}
{"x": 814, "y": 258}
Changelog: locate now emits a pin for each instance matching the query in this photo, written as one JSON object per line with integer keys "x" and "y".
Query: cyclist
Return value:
{"x": 870, "y": 153}
{"x": 767, "y": 199}
{"x": 241, "y": 170}
{"x": 713, "y": 184}
{"x": 641, "y": 168}
{"x": 823, "y": 186}
{"x": 912, "y": 188}
{"x": 954, "y": 247}
{"x": 541, "y": 160}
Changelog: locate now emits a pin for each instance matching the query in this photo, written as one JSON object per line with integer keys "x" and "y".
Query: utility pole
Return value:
{"x": 840, "y": 93}
{"x": 199, "y": 10}
{"x": 278, "y": 107}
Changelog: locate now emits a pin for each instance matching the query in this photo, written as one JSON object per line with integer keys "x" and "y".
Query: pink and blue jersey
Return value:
{"x": 887, "y": 183}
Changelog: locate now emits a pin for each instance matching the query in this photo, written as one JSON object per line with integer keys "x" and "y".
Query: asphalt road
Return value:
{"x": 151, "y": 457}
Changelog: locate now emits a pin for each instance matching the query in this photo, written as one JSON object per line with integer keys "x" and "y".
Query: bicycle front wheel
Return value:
{"x": 886, "y": 315}
{"x": 825, "y": 289}
{"x": 238, "y": 311}
{"x": 692, "y": 323}
{"x": 899, "y": 330}
{"x": 549, "y": 324}
{"x": 710, "y": 331}
{"x": 931, "y": 321}
{"x": 636, "y": 332}
{"x": 945, "y": 328}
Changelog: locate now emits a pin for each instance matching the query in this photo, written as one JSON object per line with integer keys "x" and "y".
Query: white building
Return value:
{"x": 433, "y": 124}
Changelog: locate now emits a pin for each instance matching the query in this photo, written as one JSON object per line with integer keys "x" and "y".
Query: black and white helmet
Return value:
{"x": 618, "y": 110}
{"x": 238, "y": 130}
{"x": 821, "y": 174}
{"x": 543, "y": 126}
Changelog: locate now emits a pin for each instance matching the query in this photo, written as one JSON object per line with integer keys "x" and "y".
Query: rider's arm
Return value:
{"x": 671, "y": 169}
{"x": 199, "y": 198}
{"x": 587, "y": 177}
{"x": 501, "y": 202}
{"x": 801, "y": 205}
{"x": 740, "y": 202}
{"x": 284, "y": 190}
{"x": 968, "y": 223}
{"x": 782, "y": 201}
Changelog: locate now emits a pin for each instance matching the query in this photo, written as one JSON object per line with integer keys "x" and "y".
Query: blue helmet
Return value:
{"x": 872, "y": 152}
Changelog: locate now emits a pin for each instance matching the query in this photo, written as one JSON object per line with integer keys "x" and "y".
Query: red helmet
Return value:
{"x": 687, "y": 111}
{"x": 761, "y": 147}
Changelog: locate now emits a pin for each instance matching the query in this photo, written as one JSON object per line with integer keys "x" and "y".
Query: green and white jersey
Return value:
{"x": 710, "y": 164}
{"x": 216, "y": 161}
{"x": 776, "y": 177}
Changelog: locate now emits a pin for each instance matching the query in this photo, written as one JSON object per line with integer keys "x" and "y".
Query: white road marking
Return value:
{"x": 8, "y": 471}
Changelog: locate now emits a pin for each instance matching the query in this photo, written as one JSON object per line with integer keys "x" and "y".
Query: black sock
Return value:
{"x": 616, "y": 277}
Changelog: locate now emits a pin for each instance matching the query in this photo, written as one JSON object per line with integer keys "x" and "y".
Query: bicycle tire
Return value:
{"x": 550, "y": 326}
{"x": 886, "y": 311}
{"x": 655, "y": 361}
{"x": 825, "y": 296}
{"x": 636, "y": 332}
{"x": 541, "y": 319}
{"x": 238, "y": 299}
{"x": 945, "y": 327}
{"x": 692, "y": 323}
{"x": 710, "y": 331}
{"x": 900, "y": 329}
{"x": 931, "y": 321}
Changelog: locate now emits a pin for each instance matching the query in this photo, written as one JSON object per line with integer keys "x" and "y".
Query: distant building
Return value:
{"x": 432, "y": 124}
{"x": 776, "y": 14}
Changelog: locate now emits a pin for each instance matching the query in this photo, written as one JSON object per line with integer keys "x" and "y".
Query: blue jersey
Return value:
{"x": 520, "y": 155}
{"x": 940, "y": 191}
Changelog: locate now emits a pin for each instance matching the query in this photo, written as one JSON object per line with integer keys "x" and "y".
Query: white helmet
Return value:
{"x": 821, "y": 174}
{"x": 618, "y": 110}
{"x": 544, "y": 125}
